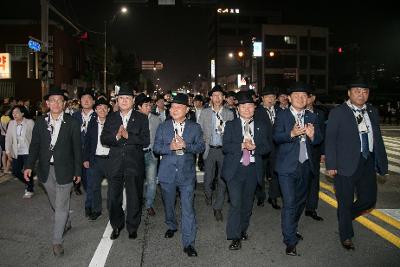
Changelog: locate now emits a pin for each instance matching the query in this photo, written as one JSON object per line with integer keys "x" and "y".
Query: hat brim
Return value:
{"x": 46, "y": 97}
{"x": 247, "y": 101}
{"x": 178, "y": 102}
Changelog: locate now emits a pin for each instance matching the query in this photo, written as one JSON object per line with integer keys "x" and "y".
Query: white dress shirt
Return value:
{"x": 54, "y": 126}
{"x": 100, "y": 149}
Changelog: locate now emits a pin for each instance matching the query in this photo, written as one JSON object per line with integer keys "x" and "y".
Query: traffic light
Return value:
{"x": 43, "y": 66}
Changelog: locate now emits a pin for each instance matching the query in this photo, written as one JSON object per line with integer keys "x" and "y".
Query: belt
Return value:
{"x": 216, "y": 147}
{"x": 146, "y": 150}
{"x": 102, "y": 156}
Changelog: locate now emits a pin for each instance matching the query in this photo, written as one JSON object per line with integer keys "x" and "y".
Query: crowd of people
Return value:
{"x": 242, "y": 141}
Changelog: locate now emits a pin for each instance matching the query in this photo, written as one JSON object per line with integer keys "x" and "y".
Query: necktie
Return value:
{"x": 303, "y": 148}
{"x": 364, "y": 145}
{"x": 246, "y": 153}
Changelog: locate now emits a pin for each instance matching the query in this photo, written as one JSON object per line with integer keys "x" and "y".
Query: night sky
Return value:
{"x": 177, "y": 36}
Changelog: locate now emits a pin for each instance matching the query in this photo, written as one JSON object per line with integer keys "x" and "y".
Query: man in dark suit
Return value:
{"x": 56, "y": 144}
{"x": 266, "y": 111}
{"x": 295, "y": 131}
{"x": 318, "y": 156}
{"x": 178, "y": 141}
{"x": 84, "y": 116}
{"x": 95, "y": 156}
{"x": 244, "y": 146}
{"x": 355, "y": 152}
{"x": 126, "y": 133}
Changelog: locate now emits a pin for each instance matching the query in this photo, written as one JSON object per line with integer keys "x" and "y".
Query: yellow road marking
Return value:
{"x": 395, "y": 240}
{"x": 378, "y": 214}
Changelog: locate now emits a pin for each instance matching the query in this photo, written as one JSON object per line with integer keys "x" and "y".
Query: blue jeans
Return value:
{"x": 150, "y": 185}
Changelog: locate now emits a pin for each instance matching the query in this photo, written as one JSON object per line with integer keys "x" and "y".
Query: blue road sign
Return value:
{"x": 35, "y": 46}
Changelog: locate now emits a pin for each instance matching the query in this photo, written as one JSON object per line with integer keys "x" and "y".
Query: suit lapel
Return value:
{"x": 61, "y": 133}
{"x": 186, "y": 130}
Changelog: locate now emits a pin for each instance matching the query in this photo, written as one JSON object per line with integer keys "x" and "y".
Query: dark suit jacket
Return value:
{"x": 174, "y": 168}
{"x": 342, "y": 141}
{"x": 89, "y": 151}
{"x": 67, "y": 150}
{"x": 319, "y": 149}
{"x": 288, "y": 148}
{"x": 78, "y": 116}
{"x": 126, "y": 151}
{"x": 262, "y": 114}
{"x": 232, "y": 147}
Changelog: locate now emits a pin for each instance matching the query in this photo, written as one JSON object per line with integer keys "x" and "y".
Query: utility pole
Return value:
{"x": 105, "y": 58}
{"x": 45, "y": 39}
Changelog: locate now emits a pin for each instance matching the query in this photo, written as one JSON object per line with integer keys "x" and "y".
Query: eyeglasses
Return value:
{"x": 58, "y": 101}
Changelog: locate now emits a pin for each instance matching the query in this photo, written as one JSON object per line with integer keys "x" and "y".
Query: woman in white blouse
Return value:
{"x": 18, "y": 139}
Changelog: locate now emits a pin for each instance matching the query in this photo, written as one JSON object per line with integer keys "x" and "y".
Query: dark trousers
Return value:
{"x": 294, "y": 193}
{"x": 134, "y": 195}
{"x": 273, "y": 183}
{"x": 17, "y": 170}
{"x": 96, "y": 174}
{"x": 363, "y": 184}
{"x": 313, "y": 190}
{"x": 241, "y": 190}
{"x": 189, "y": 226}
{"x": 212, "y": 163}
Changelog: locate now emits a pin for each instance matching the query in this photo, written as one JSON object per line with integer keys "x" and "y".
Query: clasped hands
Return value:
{"x": 308, "y": 130}
{"x": 177, "y": 143}
{"x": 248, "y": 144}
{"x": 122, "y": 132}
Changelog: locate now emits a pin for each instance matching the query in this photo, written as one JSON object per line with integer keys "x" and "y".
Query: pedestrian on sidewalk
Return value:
{"x": 244, "y": 145}
{"x": 18, "y": 139}
{"x": 355, "y": 152}
{"x": 126, "y": 133}
{"x": 95, "y": 157}
{"x": 4, "y": 121}
{"x": 56, "y": 144}
{"x": 295, "y": 131}
{"x": 143, "y": 105}
{"x": 178, "y": 140}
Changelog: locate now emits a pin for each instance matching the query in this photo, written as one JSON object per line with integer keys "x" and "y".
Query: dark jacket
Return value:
{"x": 67, "y": 150}
{"x": 342, "y": 141}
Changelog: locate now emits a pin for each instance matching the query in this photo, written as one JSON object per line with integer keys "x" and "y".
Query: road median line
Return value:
{"x": 379, "y": 230}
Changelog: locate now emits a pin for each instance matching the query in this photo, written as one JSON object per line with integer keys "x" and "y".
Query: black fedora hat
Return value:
{"x": 55, "y": 91}
{"x": 102, "y": 101}
{"x": 141, "y": 98}
{"x": 124, "y": 90}
{"x": 268, "y": 90}
{"x": 299, "y": 87}
{"x": 359, "y": 81}
{"x": 180, "y": 98}
{"x": 231, "y": 94}
{"x": 85, "y": 91}
{"x": 244, "y": 97}
{"x": 216, "y": 88}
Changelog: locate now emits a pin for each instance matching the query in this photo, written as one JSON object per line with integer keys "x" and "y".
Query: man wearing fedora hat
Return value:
{"x": 212, "y": 121}
{"x": 56, "y": 144}
{"x": 143, "y": 105}
{"x": 295, "y": 131}
{"x": 126, "y": 133}
{"x": 244, "y": 145}
{"x": 354, "y": 152}
{"x": 178, "y": 141}
{"x": 267, "y": 112}
{"x": 95, "y": 156}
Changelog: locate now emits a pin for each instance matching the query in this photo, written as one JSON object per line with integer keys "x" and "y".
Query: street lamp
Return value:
{"x": 123, "y": 10}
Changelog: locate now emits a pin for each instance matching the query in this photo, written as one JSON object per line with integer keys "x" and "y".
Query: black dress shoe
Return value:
{"x": 94, "y": 216}
{"x": 235, "y": 245}
{"x": 133, "y": 235}
{"x": 348, "y": 244}
{"x": 299, "y": 236}
{"x": 274, "y": 203}
{"x": 115, "y": 233}
{"x": 291, "y": 250}
{"x": 88, "y": 212}
{"x": 169, "y": 233}
{"x": 244, "y": 236}
{"x": 313, "y": 214}
{"x": 190, "y": 251}
{"x": 260, "y": 203}
{"x": 218, "y": 215}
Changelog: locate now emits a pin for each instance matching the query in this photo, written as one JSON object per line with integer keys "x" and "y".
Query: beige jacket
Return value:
{"x": 11, "y": 136}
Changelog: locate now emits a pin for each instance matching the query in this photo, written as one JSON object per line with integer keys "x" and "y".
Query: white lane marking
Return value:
{"x": 393, "y": 152}
{"x": 103, "y": 249}
{"x": 394, "y": 213}
{"x": 394, "y": 160}
{"x": 391, "y": 142}
{"x": 394, "y": 168}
